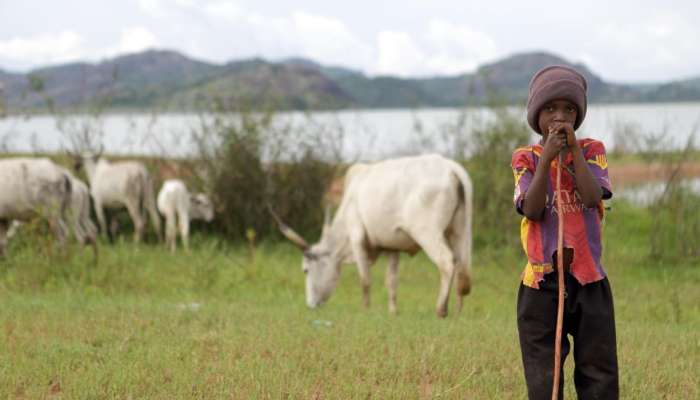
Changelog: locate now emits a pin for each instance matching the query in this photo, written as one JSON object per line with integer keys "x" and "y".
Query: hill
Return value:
{"x": 170, "y": 80}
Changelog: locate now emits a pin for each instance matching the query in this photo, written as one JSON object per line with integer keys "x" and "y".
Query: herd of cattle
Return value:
{"x": 38, "y": 187}
{"x": 398, "y": 205}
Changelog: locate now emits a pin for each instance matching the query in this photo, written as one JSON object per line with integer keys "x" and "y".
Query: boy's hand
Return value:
{"x": 564, "y": 128}
{"x": 554, "y": 144}
{"x": 561, "y": 135}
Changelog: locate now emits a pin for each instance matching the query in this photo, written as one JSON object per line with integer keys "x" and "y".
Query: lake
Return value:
{"x": 367, "y": 134}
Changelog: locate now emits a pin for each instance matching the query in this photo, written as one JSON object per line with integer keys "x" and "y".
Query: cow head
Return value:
{"x": 321, "y": 262}
{"x": 201, "y": 207}
{"x": 86, "y": 158}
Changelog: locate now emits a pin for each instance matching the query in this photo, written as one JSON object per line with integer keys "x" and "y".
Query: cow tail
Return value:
{"x": 462, "y": 234}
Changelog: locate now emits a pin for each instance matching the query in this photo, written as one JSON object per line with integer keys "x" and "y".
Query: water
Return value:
{"x": 647, "y": 193}
{"x": 368, "y": 134}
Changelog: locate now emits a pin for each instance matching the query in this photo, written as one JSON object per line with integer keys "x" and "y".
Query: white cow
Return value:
{"x": 121, "y": 184}
{"x": 33, "y": 187}
{"x": 77, "y": 215}
{"x": 399, "y": 205}
{"x": 175, "y": 201}
{"x": 79, "y": 211}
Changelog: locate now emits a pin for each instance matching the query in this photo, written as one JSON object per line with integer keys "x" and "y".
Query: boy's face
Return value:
{"x": 556, "y": 112}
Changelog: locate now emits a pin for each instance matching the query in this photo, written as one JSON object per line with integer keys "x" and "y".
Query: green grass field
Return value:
{"x": 221, "y": 322}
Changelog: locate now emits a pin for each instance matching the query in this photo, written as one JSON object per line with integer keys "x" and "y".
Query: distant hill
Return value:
{"x": 170, "y": 80}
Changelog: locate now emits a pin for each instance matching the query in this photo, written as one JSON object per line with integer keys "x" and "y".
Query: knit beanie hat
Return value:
{"x": 556, "y": 82}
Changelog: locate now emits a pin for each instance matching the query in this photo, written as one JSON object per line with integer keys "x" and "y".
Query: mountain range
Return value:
{"x": 169, "y": 80}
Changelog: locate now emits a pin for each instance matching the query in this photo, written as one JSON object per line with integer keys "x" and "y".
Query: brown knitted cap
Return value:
{"x": 556, "y": 82}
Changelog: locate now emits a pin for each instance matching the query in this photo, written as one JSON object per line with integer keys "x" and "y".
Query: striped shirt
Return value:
{"x": 582, "y": 226}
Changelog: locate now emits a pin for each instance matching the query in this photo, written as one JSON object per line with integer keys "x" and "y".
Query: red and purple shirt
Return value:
{"x": 582, "y": 226}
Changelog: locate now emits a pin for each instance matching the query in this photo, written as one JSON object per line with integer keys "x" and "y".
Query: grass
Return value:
{"x": 221, "y": 322}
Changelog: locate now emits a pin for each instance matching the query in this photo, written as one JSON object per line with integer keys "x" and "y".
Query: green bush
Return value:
{"x": 252, "y": 160}
{"x": 490, "y": 148}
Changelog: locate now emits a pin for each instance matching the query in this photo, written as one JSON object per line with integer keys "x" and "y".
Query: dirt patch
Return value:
{"x": 635, "y": 173}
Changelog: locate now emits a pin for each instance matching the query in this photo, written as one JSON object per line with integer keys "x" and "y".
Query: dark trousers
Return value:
{"x": 588, "y": 318}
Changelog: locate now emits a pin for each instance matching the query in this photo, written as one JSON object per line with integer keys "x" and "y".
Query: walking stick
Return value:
{"x": 560, "y": 277}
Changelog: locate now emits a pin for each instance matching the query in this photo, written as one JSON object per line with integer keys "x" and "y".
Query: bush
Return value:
{"x": 250, "y": 160}
{"x": 490, "y": 147}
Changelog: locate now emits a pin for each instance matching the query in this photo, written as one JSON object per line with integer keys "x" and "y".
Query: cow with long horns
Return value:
{"x": 398, "y": 205}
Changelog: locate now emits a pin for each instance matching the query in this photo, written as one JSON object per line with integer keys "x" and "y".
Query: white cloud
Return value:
{"x": 443, "y": 48}
{"x": 153, "y": 8}
{"x": 322, "y": 38}
{"x": 136, "y": 39}
{"x": 658, "y": 48}
{"x": 45, "y": 48}
{"x": 327, "y": 40}
{"x": 457, "y": 49}
{"x": 227, "y": 10}
{"x": 398, "y": 54}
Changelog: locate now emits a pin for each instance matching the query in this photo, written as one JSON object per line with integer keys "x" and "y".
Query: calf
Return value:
{"x": 175, "y": 201}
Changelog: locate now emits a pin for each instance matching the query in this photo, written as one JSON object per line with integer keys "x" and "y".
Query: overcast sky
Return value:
{"x": 622, "y": 41}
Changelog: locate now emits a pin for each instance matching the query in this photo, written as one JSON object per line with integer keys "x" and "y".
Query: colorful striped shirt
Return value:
{"x": 582, "y": 226}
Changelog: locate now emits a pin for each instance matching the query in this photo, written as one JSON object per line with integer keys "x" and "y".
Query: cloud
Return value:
{"x": 45, "y": 48}
{"x": 398, "y": 54}
{"x": 442, "y": 48}
{"x": 136, "y": 39}
{"x": 324, "y": 39}
{"x": 657, "y": 48}
{"x": 457, "y": 49}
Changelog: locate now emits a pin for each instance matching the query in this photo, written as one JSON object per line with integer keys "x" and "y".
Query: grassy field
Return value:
{"x": 225, "y": 322}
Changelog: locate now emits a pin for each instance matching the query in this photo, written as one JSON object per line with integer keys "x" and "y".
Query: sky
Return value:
{"x": 622, "y": 41}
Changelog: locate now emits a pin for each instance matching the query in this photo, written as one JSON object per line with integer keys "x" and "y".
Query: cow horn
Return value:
{"x": 327, "y": 219}
{"x": 288, "y": 232}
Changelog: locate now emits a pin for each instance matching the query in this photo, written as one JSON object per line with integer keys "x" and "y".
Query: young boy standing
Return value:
{"x": 556, "y": 107}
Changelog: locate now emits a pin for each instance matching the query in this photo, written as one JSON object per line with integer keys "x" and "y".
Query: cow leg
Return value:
{"x": 137, "y": 218}
{"x": 184, "y": 222}
{"x": 363, "y": 263}
{"x": 59, "y": 230}
{"x": 392, "y": 280}
{"x": 4, "y": 226}
{"x": 101, "y": 219}
{"x": 437, "y": 250}
{"x": 170, "y": 231}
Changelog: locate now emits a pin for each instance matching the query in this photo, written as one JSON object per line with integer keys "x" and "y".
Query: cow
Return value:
{"x": 77, "y": 215}
{"x": 398, "y": 205}
{"x": 176, "y": 202}
{"x": 120, "y": 184}
{"x": 33, "y": 187}
{"x": 84, "y": 229}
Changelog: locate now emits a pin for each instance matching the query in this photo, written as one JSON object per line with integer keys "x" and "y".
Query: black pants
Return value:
{"x": 588, "y": 318}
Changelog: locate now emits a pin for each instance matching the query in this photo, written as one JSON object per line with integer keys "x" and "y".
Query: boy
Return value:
{"x": 556, "y": 107}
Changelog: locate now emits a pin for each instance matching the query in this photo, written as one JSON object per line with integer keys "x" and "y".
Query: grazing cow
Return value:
{"x": 79, "y": 211}
{"x": 398, "y": 205}
{"x": 33, "y": 187}
{"x": 121, "y": 184}
{"x": 175, "y": 201}
{"x": 78, "y": 214}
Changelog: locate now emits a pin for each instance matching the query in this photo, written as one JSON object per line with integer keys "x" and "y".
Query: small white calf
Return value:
{"x": 175, "y": 201}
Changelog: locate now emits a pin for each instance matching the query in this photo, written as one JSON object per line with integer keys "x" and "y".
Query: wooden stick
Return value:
{"x": 560, "y": 277}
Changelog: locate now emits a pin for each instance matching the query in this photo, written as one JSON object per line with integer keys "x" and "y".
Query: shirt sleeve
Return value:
{"x": 523, "y": 172}
{"x": 598, "y": 164}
